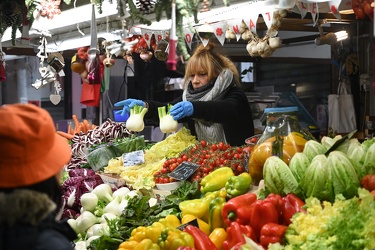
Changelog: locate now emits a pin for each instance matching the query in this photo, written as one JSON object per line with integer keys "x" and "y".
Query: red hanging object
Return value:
{"x": 171, "y": 62}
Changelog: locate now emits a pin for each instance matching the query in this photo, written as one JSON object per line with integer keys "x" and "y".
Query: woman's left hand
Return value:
{"x": 181, "y": 110}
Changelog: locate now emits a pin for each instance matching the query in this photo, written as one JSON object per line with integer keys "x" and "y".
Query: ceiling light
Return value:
{"x": 331, "y": 38}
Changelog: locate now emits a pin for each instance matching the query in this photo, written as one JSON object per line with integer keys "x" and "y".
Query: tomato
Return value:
{"x": 214, "y": 147}
{"x": 203, "y": 143}
{"x": 220, "y": 145}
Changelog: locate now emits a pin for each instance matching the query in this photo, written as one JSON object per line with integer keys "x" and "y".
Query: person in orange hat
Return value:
{"x": 32, "y": 157}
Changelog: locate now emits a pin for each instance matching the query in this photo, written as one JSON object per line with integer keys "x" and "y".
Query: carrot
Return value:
{"x": 76, "y": 122}
{"x": 65, "y": 135}
{"x": 83, "y": 127}
{"x": 86, "y": 123}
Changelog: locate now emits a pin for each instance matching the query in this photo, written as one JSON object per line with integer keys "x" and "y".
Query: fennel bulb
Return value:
{"x": 89, "y": 201}
{"x": 167, "y": 123}
{"x": 103, "y": 192}
{"x": 135, "y": 121}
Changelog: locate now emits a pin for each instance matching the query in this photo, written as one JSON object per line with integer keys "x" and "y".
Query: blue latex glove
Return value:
{"x": 128, "y": 104}
{"x": 181, "y": 110}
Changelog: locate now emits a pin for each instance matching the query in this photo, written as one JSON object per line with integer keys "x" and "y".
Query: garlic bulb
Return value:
{"x": 274, "y": 42}
{"x": 229, "y": 34}
{"x": 247, "y": 35}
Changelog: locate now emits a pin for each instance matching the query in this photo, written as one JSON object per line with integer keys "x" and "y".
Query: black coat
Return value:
{"x": 233, "y": 111}
{"x": 26, "y": 222}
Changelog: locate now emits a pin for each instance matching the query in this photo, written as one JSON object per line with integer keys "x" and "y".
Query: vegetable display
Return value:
{"x": 303, "y": 205}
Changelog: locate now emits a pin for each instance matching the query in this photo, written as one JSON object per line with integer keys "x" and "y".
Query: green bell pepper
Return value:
{"x": 238, "y": 185}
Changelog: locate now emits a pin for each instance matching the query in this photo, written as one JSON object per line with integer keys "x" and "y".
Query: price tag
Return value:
{"x": 193, "y": 222}
{"x": 184, "y": 170}
{"x": 133, "y": 158}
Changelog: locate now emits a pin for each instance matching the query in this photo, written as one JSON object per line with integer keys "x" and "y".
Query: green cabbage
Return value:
{"x": 313, "y": 148}
{"x": 316, "y": 181}
{"x": 343, "y": 175}
{"x": 278, "y": 178}
{"x": 298, "y": 165}
{"x": 369, "y": 160}
{"x": 356, "y": 153}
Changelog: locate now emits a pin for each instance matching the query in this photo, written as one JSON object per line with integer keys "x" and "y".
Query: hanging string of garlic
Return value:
{"x": 257, "y": 46}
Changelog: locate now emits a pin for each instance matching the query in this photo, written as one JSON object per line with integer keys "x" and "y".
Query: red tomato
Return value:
{"x": 203, "y": 143}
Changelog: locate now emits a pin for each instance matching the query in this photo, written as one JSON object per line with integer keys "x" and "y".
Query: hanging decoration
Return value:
{"x": 264, "y": 47}
{"x": 47, "y": 76}
{"x": 49, "y": 8}
{"x": 50, "y": 66}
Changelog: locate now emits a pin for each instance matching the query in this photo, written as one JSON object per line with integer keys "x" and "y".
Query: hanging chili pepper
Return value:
{"x": 238, "y": 209}
{"x": 272, "y": 233}
{"x": 291, "y": 205}
{"x": 235, "y": 235}
{"x": 262, "y": 212}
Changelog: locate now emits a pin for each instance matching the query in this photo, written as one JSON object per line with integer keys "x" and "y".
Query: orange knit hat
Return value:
{"x": 30, "y": 149}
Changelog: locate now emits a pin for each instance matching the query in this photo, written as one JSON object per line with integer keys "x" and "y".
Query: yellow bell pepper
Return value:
{"x": 200, "y": 207}
{"x": 215, "y": 219}
{"x": 128, "y": 245}
{"x": 171, "y": 239}
{"x": 138, "y": 234}
{"x": 147, "y": 244}
{"x": 170, "y": 221}
{"x": 218, "y": 236}
{"x": 216, "y": 180}
{"x": 153, "y": 232}
{"x": 201, "y": 224}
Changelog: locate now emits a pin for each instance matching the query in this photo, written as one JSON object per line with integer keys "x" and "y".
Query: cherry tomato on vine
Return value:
{"x": 203, "y": 143}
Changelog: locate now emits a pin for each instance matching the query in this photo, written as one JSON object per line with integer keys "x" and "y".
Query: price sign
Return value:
{"x": 133, "y": 158}
{"x": 184, "y": 170}
{"x": 193, "y": 222}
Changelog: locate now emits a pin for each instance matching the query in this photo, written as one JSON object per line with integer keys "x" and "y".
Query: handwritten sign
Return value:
{"x": 184, "y": 170}
{"x": 133, "y": 158}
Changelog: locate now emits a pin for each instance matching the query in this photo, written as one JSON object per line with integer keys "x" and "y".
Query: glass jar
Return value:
{"x": 281, "y": 137}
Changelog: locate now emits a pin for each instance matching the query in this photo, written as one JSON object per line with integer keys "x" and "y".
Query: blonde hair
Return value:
{"x": 206, "y": 59}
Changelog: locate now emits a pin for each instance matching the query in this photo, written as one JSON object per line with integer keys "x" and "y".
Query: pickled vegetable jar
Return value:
{"x": 282, "y": 136}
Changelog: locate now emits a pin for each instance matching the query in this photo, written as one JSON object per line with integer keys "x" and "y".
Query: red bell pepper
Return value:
{"x": 238, "y": 209}
{"x": 272, "y": 233}
{"x": 235, "y": 235}
{"x": 292, "y": 205}
{"x": 278, "y": 202}
{"x": 185, "y": 248}
{"x": 262, "y": 212}
{"x": 201, "y": 240}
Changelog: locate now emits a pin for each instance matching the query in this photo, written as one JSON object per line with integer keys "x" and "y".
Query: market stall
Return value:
{"x": 180, "y": 192}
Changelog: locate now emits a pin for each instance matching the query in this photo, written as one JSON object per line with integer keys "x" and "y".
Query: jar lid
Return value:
{"x": 281, "y": 110}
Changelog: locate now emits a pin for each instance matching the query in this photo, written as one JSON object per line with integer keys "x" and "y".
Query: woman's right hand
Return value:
{"x": 128, "y": 104}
